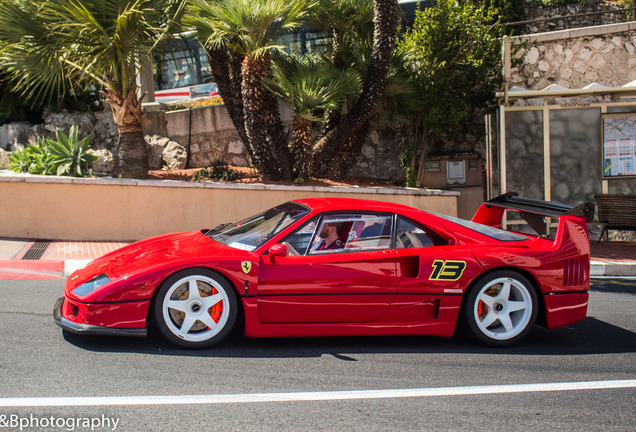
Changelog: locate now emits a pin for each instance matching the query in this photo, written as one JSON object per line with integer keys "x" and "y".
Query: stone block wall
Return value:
{"x": 99, "y": 125}
{"x": 208, "y": 134}
{"x": 554, "y": 18}
{"x": 576, "y": 58}
{"x": 379, "y": 157}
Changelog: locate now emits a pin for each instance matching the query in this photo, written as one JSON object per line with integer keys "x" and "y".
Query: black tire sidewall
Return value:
{"x": 163, "y": 290}
{"x": 469, "y": 316}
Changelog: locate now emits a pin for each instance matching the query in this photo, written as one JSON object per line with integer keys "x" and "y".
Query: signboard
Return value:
{"x": 619, "y": 145}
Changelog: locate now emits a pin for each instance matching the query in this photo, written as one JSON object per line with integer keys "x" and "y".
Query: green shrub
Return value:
{"x": 217, "y": 170}
{"x": 629, "y": 14}
{"x": 22, "y": 160}
{"x": 66, "y": 156}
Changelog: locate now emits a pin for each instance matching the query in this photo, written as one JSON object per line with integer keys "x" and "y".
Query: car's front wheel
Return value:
{"x": 501, "y": 308}
{"x": 195, "y": 308}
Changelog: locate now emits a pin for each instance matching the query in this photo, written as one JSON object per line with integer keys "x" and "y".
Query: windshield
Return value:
{"x": 492, "y": 232}
{"x": 253, "y": 232}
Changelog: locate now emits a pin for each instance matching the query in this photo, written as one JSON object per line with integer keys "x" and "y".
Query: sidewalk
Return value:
{"x": 28, "y": 259}
{"x": 58, "y": 259}
{"x": 617, "y": 260}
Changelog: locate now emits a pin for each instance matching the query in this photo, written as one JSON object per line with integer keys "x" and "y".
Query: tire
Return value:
{"x": 501, "y": 308}
{"x": 206, "y": 315}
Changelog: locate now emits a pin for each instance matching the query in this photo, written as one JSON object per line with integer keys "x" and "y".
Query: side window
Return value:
{"x": 371, "y": 232}
{"x": 352, "y": 233}
{"x": 412, "y": 235}
{"x": 298, "y": 242}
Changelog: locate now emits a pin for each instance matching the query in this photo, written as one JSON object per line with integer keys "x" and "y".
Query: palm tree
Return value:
{"x": 54, "y": 47}
{"x": 349, "y": 131}
{"x": 251, "y": 29}
{"x": 310, "y": 85}
{"x": 350, "y": 23}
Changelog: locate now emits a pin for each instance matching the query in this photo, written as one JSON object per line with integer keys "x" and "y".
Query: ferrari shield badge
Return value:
{"x": 246, "y": 266}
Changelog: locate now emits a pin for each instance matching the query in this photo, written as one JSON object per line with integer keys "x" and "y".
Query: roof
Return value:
{"x": 340, "y": 204}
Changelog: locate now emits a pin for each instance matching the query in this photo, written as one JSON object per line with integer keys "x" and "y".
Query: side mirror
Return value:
{"x": 277, "y": 250}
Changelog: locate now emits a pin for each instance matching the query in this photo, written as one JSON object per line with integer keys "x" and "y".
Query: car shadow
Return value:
{"x": 590, "y": 336}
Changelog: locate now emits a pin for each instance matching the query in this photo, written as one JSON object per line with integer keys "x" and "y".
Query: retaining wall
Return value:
{"x": 65, "y": 208}
{"x": 575, "y": 58}
{"x": 209, "y": 134}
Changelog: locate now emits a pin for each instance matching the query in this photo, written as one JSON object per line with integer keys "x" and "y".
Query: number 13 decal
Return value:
{"x": 447, "y": 270}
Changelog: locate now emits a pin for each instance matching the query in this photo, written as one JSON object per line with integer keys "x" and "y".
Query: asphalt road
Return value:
{"x": 38, "y": 361}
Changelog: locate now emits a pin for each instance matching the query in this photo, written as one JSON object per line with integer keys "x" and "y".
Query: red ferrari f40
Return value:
{"x": 342, "y": 267}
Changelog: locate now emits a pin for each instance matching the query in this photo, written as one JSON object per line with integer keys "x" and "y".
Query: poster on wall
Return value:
{"x": 619, "y": 145}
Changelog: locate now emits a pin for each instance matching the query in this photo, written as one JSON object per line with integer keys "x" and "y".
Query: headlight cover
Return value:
{"x": 91, "y": 285}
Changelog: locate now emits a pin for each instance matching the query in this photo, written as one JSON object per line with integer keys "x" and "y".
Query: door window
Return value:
{"x": 298, "y": 242}
{"x": 338, "y": 233}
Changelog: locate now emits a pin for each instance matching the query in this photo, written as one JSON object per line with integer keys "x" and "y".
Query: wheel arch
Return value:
{"x": 522, "y": 272}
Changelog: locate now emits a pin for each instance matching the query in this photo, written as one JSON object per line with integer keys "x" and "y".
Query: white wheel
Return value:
{"x": 502, "y": 308}
{"x": 195, "y": 308}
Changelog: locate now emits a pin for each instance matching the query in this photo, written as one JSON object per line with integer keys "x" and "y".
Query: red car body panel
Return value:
{"x": 394, "y": 291}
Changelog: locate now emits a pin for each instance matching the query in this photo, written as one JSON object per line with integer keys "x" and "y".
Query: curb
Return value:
{"x": 612, "y": 268}
{"x": 71, "y": 265}
{"x": 39, "y": 269}
{"x": 42, "y": 269}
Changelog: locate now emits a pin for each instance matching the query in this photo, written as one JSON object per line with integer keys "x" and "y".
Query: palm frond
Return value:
{"x": 51, "y": 47}
{"x": 311, "y": 84}
{"x": 247, "y": 26}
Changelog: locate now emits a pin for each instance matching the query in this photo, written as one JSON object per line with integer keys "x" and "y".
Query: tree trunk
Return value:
{"x": 300, "y": 145}
{"x": 352, "y": 149}
{"x": 337, "y": 165}
{"x": 384, "y": 35}
{"x": 226, "y": 71}
{"x": 255, "y": 104}
{"x": 424, "y": 148}
{"x": 131, "y": 160}
{"x": 277, "y": 137}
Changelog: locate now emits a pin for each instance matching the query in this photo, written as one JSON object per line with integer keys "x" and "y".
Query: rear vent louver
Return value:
{"x": 574, "y": 272}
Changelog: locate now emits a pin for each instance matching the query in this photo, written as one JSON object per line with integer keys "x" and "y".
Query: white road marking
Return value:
{"x": 311, "y": 396}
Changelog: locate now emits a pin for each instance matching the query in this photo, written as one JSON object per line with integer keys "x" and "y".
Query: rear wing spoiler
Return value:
{"x": 532, "y": 211}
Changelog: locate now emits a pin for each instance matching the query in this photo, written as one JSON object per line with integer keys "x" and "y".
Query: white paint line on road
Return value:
{"x": 312, "y": 396}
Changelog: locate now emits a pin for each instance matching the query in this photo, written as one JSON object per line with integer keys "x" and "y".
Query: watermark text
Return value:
{"x": 16, "y": 422}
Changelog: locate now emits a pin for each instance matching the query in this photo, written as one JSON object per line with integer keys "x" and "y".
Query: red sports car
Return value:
{"x": 342, "y": 267}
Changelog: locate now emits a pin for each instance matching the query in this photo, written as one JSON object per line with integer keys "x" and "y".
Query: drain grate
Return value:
{"x": 36, "y": 251}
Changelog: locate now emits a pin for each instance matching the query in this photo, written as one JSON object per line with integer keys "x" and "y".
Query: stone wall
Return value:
{"x": 554, "y": 18}
{"x": 576, "y": 58}
{"x": 206, "y": 133}
{"x": 209, "y": 134}
{"x": 100, "y": 125}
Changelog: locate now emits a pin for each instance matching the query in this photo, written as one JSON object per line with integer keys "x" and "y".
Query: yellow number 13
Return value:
{"x": 447, "y": 270}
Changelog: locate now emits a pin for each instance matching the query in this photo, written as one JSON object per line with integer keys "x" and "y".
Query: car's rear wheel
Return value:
{"x": 501, "y": 308}
{"x": 195, "y": 308}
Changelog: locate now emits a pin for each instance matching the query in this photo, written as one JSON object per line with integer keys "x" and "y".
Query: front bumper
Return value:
{"x": 89, "y": 329}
